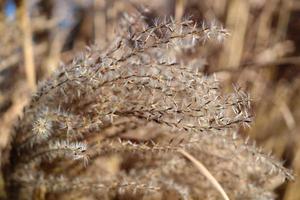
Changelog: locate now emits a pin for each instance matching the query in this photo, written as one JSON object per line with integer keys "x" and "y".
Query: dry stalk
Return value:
{"x": 27, "y": 45}
{"x": 203, "y": 170}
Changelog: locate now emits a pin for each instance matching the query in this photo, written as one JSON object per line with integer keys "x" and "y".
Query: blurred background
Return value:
{"x": 260, "y": 55}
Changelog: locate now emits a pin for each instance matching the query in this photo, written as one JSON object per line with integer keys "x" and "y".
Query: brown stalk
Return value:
{"x": 27, "y": 45}
{"x": 205, "y": 172}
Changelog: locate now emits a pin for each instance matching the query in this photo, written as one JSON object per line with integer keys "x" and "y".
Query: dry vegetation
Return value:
{"x": 150, "y": 111}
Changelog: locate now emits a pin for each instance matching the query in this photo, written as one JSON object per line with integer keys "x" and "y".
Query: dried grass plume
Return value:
{"x": 114, "y": 123}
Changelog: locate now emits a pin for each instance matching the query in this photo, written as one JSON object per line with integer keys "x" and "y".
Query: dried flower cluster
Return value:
{"x": 111, "y": 125}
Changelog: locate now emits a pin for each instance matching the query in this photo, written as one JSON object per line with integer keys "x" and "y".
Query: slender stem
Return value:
{"x": 27, "y": 45}
{"x": 205, "y": 172}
